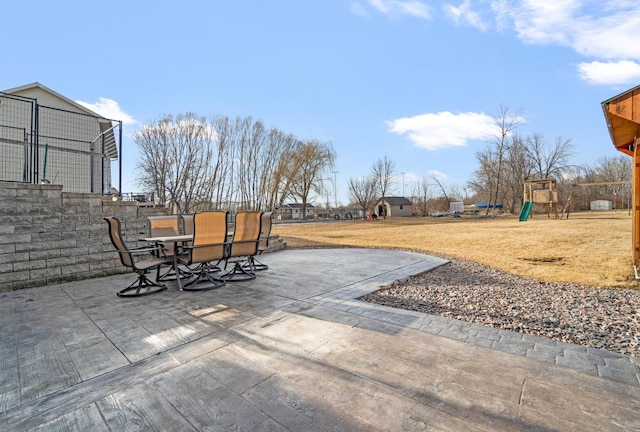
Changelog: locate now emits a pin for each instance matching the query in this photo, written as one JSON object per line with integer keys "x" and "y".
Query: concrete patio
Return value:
{"x": 291, "y": 350}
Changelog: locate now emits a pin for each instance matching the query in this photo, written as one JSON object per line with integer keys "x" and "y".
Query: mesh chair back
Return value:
{"x": 265, "y": 230}
{"x": 115, "y": 233}
{"x": 245, "y": 234}
{"x": 162, "y": 226}
{"x": 209, "y": 236}
{"x": 187, "y": 223}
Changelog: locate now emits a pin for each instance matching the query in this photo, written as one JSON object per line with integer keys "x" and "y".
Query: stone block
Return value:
{"x": 47, "y": 235}
{"x": 75, "y": 269}
{"x": 101, "y": 265}
{"x": 14, "y": 257}
{"x": 8, "y": 248}
{"x": 14, "y": 276}
{"x": 15, "y": 238}
{"x": 29, "y": 265}
{"x": 44, "y": 273}
{"x": 31, "y": 283}
{"x": 7, "y": 194}
{"x": 44, "y": 254}
{"x": 73, "y": 219}
{"x": 63, "y": 261}
{"x": 7, "y": 230}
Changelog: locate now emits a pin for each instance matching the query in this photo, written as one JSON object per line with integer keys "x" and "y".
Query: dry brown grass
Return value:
{"x": 590, "y": 248}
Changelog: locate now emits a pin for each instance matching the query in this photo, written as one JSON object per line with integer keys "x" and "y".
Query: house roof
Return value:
{"x": 105, "y": 124}
{"x": 296, "y": 206}
{"x": 397, "y": 201}
{"x": 34, "y": 85}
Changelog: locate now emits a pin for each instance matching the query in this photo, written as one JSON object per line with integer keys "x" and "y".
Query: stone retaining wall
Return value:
{"x": 48, "y": 236}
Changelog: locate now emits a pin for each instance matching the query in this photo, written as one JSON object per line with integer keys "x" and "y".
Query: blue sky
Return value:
{"x": 417, "y": 81}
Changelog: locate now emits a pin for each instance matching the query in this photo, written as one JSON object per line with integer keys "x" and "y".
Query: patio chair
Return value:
{"x": 140, "y": 260}
{"x": 187, "y": 224}
{"x": 208, "y": 249}
{"x": 161, "y": 226}
{"x": 263, "y": 242}
{"x": 244, "y": 245}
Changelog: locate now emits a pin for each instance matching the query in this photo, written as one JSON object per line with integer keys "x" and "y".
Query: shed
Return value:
{"x": 456, "y": 207}
{"x": 294, "y": 211}
{"x": 600, "y": 205}
{"x": 394, "y": 206}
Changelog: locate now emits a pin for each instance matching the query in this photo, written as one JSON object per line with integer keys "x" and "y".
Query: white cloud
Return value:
{"x": 438, "y": 175}
{"x": 612, "y": 73}
{"x": 109, "y": 109}
{"x": 592, "y": 28}
{"x": 595, "y": 29}
{"x": 464, "y": 15}
{"x": 397, "y": 8}
{"x": 444, "y": 129}
{"x": 358, "y": 9}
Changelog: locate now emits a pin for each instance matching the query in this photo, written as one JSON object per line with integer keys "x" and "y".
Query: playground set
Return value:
{"x": 539, "y": 192}
{"x": 545, "y": 192}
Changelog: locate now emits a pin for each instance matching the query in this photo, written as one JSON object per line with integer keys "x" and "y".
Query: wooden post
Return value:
{"x": 636, "y": 204}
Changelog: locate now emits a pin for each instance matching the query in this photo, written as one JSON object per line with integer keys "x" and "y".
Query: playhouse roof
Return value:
{"x": 622, "y": 113}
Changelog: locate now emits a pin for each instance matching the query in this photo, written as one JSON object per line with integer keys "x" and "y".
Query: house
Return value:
{"x": 294, "y": 211}
{"x": 394, "y": 206}
{"x": 47, "y": 137}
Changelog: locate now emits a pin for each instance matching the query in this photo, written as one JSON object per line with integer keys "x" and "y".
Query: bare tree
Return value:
{"x": 548, "y": 161}
{"x": 176, "y": 160}
{"x": 422, "y": 195}
{"x": 383, "y": 171}
{"x": 438, "y": 183}
{"x": 505, "y": 122}
{"x": 609, "y": 178}
{"x": 307, "y": 164}
{"x": 277, "y": 158}
{"x": 222, "y": 164}
{"x": 516, "y": 169}
{"x": 362, "y": 192}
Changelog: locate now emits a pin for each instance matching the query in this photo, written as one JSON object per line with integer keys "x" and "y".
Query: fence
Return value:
{"x": 52, "y": 145}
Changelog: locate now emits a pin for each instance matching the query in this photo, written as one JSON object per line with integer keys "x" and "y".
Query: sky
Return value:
{"x": 417, "y": 81}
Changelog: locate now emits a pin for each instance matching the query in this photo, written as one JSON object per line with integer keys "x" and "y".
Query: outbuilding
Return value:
{"x": 394, "y": 206}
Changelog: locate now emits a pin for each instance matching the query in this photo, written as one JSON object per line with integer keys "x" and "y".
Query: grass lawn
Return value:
{"x": 589, "y": 248}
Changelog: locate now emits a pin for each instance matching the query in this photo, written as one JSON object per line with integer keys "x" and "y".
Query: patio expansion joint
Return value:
{"x": 53, "y": 405}
{"x": 95, "y": 324}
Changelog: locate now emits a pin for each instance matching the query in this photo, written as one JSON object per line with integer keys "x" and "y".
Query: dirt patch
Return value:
{"x": 546, "y": 260}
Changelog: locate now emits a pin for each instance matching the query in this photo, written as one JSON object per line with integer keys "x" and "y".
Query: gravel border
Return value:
{"x": 603, "y": 318}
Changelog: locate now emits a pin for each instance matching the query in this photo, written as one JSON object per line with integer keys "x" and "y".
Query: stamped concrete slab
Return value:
{"x": 291, "y": 350}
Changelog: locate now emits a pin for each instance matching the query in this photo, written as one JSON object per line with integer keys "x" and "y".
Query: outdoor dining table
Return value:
{"x": 175, "y": 239}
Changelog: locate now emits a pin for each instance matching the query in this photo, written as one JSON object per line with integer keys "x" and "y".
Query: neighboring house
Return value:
{"x": 394, "y": 206}
{"x": 47, "y": 137}
{"x": 294, "y": 211}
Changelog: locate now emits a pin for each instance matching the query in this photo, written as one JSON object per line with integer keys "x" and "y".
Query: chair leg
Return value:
{"x": 170, "y": 274}
{"x": 204, "y": 273}
{"x": 142, "y": 286}
{"x": 241, "y": 271}
{"x": 257, "y": 265}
